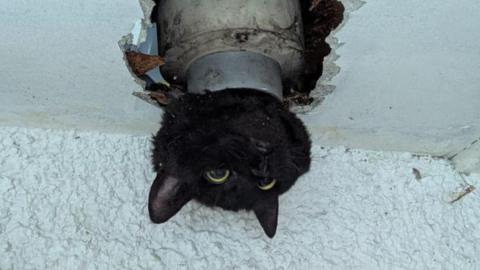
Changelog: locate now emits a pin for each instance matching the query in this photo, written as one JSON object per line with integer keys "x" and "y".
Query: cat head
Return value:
{"x": 235, "y": 149}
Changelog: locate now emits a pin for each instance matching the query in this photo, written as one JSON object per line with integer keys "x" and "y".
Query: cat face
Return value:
{"x": 235, "y": 149}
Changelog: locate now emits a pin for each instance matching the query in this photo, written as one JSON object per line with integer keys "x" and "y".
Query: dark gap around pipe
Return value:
{"x": 320, "y": 18}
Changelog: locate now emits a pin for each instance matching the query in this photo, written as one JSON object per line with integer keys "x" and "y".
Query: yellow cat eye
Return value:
{"x": 267, "y": 184}
{"x": 217, "y": 176}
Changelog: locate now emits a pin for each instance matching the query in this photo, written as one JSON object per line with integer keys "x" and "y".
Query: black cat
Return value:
{"x": 235, "y": 149}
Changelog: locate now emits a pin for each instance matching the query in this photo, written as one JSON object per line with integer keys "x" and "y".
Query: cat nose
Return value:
{"x": 262, "y": 146}
{"x": 261, "y": 170}
{"x": 257, "y": 172}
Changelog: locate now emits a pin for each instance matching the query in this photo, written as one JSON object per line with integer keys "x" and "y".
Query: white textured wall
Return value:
{"x": 73, "y": 200}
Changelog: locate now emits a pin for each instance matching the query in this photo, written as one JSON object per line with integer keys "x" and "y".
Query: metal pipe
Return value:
{"x": 219, "y": 71}
{"x": 250, "y": 43}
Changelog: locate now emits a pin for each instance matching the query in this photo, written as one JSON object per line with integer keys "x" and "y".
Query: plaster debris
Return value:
{"x": 417, "y": 174}
{"x": 140, "y": 48}
{"x": 71, "y": 200}
{"x": 322, "y": 17}
{"x": 142, "y": 63}
{"x": 459, "y": 195}
{"x": 161, "y": 97}
{"x": 468, "y": 159}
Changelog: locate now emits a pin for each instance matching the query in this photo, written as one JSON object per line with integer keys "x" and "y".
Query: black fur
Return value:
{"x": 246, "y": 131}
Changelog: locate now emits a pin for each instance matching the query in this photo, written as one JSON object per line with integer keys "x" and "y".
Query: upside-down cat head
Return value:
{"x": 235, "y": 149}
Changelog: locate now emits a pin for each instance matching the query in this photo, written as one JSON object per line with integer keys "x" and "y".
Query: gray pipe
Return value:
{"x": 232, "y": 43}
{"x": 223, "y": 70}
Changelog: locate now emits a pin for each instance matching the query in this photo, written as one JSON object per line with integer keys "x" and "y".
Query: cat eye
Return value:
{"x": 217, "y": 176}
{"x": 266, "y": 184}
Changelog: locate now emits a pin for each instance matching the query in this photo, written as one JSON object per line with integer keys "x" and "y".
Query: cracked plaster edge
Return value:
{"x": 127, "y": 41}
{"x": 330, "y": 67}
{"x": 464, "y": 161}
{"x": 324, "y": 86}
{"x": 468, "y": 159}
{"x": 147, "y": 8}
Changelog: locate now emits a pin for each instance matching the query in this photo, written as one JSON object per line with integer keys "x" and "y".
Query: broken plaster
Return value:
{"x": 143, "y": 38}
{"x": 330, "y": 67}
{"x": 324, "y": 87}
{"x": 468, "y": 159}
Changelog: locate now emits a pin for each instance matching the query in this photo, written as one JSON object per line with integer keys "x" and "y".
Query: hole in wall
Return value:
{"x": 320, "y": 18}
{"x": 330, "y": 69}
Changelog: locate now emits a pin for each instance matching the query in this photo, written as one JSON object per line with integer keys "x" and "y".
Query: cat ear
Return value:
{"x": 267, "y": 214}
{"x": 167, "y": 197}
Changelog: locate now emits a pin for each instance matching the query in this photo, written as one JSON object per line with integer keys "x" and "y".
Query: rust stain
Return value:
{"x": 141, "y": 63}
